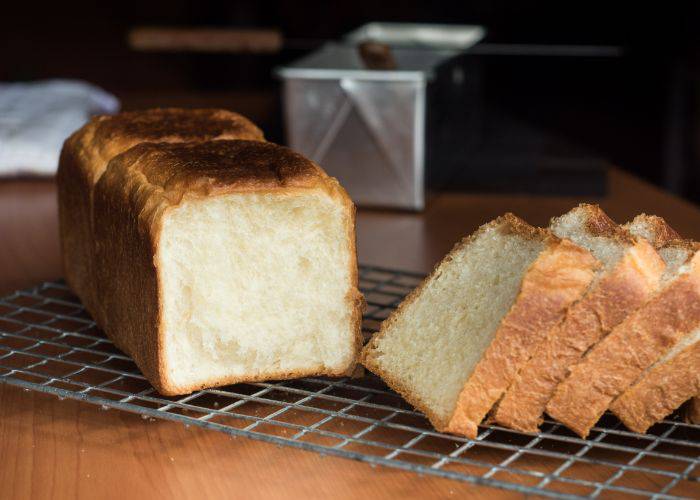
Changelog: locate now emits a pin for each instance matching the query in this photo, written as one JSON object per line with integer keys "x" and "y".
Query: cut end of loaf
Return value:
{"x": 256, "y": 286}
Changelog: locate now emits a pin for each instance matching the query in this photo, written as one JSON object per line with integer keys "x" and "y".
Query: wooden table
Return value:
{"x": 66, "y": 449}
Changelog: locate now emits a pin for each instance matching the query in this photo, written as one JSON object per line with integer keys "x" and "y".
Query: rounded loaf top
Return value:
{"x": 174, "y": 125}
{"x": 219, "y": 165}
{"x": 107, "y": 136}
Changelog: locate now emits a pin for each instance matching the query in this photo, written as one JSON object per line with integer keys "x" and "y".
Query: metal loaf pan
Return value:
{"x": 383, "y": 132}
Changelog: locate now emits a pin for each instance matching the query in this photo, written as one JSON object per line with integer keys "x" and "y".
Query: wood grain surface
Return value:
{"x": 66, "y": 449}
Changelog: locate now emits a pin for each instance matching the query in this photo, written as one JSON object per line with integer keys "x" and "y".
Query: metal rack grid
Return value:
{"x": 48, "y": 343}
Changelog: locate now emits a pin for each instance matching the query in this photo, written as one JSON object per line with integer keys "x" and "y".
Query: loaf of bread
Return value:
{"x": 630, "y": 273}
{"x": 213, "y": 262}
{"x": 454, "y": 345}
{"x": 618, "y": 360}
{"x": 83, "y": 161}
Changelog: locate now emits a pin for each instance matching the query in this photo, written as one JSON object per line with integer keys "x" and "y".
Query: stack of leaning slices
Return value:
{"x": 573, "y": 320}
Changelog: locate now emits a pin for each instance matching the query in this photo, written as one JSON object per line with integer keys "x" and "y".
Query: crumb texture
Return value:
{"x": 256, "y": 285}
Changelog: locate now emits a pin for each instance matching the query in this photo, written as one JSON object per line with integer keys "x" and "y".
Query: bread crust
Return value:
{"x": 557, "y": 278}
{"x": 599, "y": 224}
{"x": 508, "y": 224}
{"x": 75, "y": 229}
{"x": 621, "y": 357}
{"x": 132, "y": 198}
{"x": 617, "y": 293}
{"x": 104, "y": 137}
{"x": 660, "y": 391}
{"x": 84, "y": 158}
{"x": 652, "y": 228}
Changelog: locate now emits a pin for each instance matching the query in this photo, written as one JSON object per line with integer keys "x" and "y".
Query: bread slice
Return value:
{"x": 663, "y": 388}
{"x": 621, "y": 358}
{"x": 85, "y": 156}
{"x": 631, "y": 272}
{"x": 454, "y": 344}
{"x": 226, "y": 261}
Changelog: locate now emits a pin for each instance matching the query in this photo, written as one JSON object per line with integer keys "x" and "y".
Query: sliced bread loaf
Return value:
{"x": 453, "y": 346}
{"x": 663, "y": 388}
{"x": 631, "y": 272}
{"x": 618, "y": 360}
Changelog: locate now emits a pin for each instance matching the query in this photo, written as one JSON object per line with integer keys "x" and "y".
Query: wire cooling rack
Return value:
{"x": 48, "y": 343}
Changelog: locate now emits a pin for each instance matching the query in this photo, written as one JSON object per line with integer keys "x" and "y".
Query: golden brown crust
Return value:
{"x": 217, "y": 167}
{"x": 508, "y": 224}
{"x": 74, "y": 212}
{"x": 131, "y": 198}
{"x": 127, "y": 290}
{"x": 599, "y": 224}
{"x": 107, "y": 136}
{"x": 621, "y": 357}
{"x": 620, "y": 291}
{"x": 689, "y": 246}
{"x": 660, "y": 391}
{"x": 652, "y": 228}
{"x": 557, "y": 278}
{"x": 85, "y": 156}
{"x": 355, "y": 298}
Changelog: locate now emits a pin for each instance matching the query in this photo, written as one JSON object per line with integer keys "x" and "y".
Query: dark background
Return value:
{"x": 638, "y": 111}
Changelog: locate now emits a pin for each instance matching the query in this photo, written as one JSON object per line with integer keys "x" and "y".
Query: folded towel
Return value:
{"x": 36, "y": 117}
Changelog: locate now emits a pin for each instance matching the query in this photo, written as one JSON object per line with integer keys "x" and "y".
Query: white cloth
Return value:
{"x": 36, "y": 117}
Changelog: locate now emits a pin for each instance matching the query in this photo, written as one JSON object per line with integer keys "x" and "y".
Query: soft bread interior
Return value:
{"x": 256, "y": 286}
{"x": 643, "y": 228}
{"x": 436, "y": 340}
{"x": 675, "y": 257}
{"x": 575, "y": 226}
